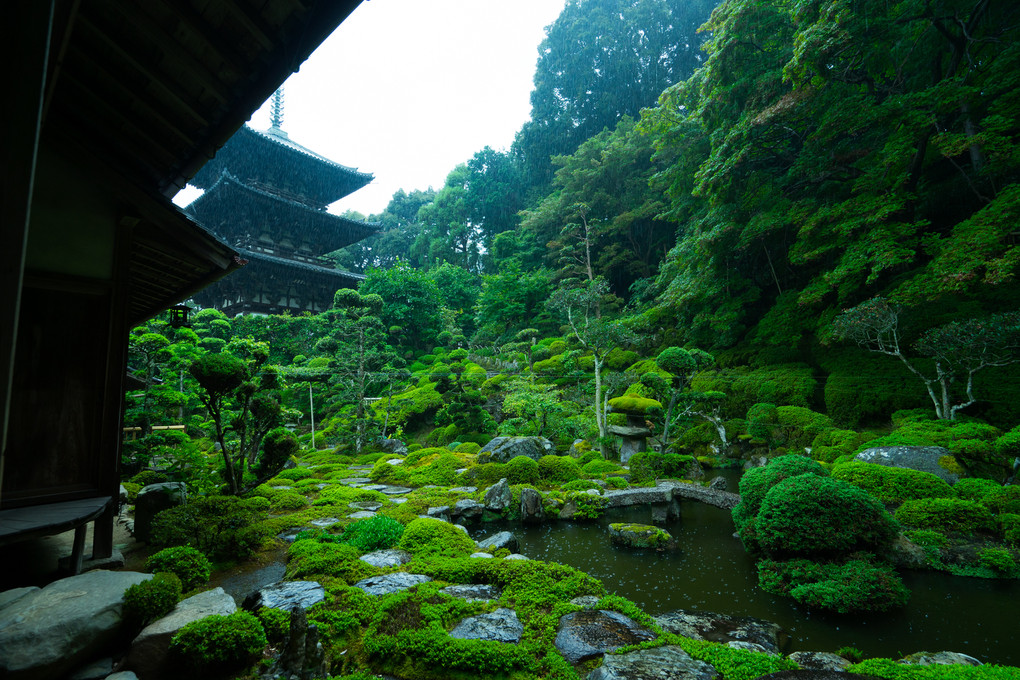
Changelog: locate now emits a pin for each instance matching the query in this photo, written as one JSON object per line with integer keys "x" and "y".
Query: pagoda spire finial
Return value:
{"x": 277, "y": 109}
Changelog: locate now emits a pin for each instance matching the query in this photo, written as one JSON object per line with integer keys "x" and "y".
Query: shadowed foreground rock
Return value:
{"x": 668, "y": 662}
{"x": 501, "y": 625}
{"x": 587, "y": 634}
{"x": 713, "y": 627}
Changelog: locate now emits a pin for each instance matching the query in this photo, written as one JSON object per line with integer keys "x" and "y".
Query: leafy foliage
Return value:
{"x": 186, "y": 563}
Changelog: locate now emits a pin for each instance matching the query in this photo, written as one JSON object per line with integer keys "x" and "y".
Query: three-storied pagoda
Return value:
{"x": 267, "y": 196}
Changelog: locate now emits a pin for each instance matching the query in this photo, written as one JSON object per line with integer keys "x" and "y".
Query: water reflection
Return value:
{"x": 712, "y": 572}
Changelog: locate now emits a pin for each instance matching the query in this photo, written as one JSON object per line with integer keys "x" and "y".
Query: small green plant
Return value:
{"x": 853, "y": 586}
{"x": 276, "y": 623}
{"x": 218, "y": 645}
{"x": 581, "y": 485}
{"x": 147, "y": 477}
{"x": 151, "y": 599}
{"x": 851, "y": 654}
{"x": 222, "y": 527}
{"x": 188, "y": 564}
{"x": 945, "y": 514}
{"x": 374, "y": 533}
{"x": 927, "y": 538}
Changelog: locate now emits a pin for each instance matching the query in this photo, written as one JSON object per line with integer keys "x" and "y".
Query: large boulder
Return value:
{"x": 286, "y": 595}
{"x": 498, "y": 497}
{"x": 531, "y": 506}
{"x": 467, "y": 510}
{"x": 668, "y": 662}
{"x": 473, "y": 592}
{"x": 940, "y": 659}
{"x": 592, "y": 632}
{"x": 631, "y": 535}
{"x": 393, "y": 446}
{"x": 722, "y": 628}
{"x": 503, "y": 449}
{"x": 931, "y": 459}
{"x": 502, "y": 539}
{"x": 148, "y": 653}
{"x": 153, "y": 499}
{"x": 501, "y": 625}
{"x": 47, "y": 632}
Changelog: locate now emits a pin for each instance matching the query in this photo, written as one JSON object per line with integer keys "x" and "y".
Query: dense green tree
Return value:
{"x": 509, "y": 301}
{"x": 411, "y": 303}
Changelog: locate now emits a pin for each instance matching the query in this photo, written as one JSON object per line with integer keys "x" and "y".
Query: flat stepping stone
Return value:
{"x": 285, "y": 595}
{"x": 281, "y": 488}
{"x": 386, "y": 558}
{"x": 290, "y": 535}
{"x": 591, "y": 633}
{"x": 391, "y": 583}
{"x": 474, "y": 592}
{"x": 354, "y": 481}
{"x": 395, "y": 490}
{"x": 463, "y": 489}
{"x": 371, "y": 506}
{"x": 395, "y": 461}
{"x": 484, "y": 556}
{"x": 325, "y": 521}
{"x": 362, "y": 514}
{"x": 668, "y": 662}
{"x": 501, "y": 625}
{"x": 398, "y": 501}
{"x": 517, "y": 556}
{"x": 359, "y": 467}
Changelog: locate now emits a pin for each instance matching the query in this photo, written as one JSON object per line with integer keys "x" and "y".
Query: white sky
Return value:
{"x": 407, "y": 89}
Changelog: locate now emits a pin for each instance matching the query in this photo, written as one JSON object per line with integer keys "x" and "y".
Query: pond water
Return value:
{"x": 712, "y": 572}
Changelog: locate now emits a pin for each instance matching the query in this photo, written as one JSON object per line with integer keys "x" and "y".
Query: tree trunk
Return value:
{"x": 600, "y": 414}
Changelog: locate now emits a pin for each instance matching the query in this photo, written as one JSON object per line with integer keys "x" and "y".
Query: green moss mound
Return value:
{"x": 186, "y": 563}
{"x": 633, "y": 403}
{"x": 218, "y": 645}
{"x": 892, "y": 485}
{"x": 945, "y": 514}
{"x": 558, "y": 469}
{"x": 151, "y": 599}
{"x": 435, "y": 537}
{"x": 854, "y": 586}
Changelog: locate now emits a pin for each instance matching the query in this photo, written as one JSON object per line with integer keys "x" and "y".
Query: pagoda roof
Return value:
{"x": 230, "y": 208}
{"x": 272, "y": 160}
{"x": 260, "y": 261}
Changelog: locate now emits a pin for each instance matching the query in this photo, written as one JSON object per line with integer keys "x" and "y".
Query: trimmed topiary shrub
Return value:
{"x": 311, "y": 557}
{"x": 521, "y": 470}
{"x": 1009, "y": 527}
{"x": 1004, "y": 499}
{"x": 151, "y": 599}
{"x": 812, "y": 516}
{"x": 998, "y": 560}
{"x": 974, "y": 488}
{"x": 188, "y": 564}
{"x": 756, "y": 482}
{"x": 146, "y": 477}
{"x": 222, "y": 527}
{"x": 218, "y": 645}
{"x": 831, "y": 444}
{"x": 436, "y": 537}
{"x": 854, "y": 586}
{"x": 599, "y": 467}
{"x": 294, "y": 474}
{"x": 649, "y": 465}
{"x": 558, "y": 469}
{"x": 892, "y": 485}
{"x": 288, "y": 501}
{"x": 275, "y": 622}
{"x": 945, "y": 514}
{"x": 798, "y": 426}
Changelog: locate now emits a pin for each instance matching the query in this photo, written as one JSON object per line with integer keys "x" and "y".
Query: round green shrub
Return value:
{"x": 257, "y": 504}
{"x": 152, "y": 599}
{"x": 974, "y": 488}
{"x": 288, "y": 501}
{"x": 945, "y": 514}
{"x": 189, "y": 565}
{"x": 374, "y": 533}
{"x": 1004, "y": 499}
{"x": 488, "y": 474}
{"x": 615, "y": 482}
{"x": 316, "y": 558}
{"x": 649, "y": 465}
{"x": 222, "y": 527}
{"x": 599, "y": 467}
{"x": 853, "y": 586}
{"x": 468, "y": 447}
{"x": 580, "y": 485}
{"x": 522, "y": 470}
{"x": 756, "y": 482}
{"x": 892, "y": 484}
{"x": 147, "y": 477}
{"x": 294, "y": 474}
{"x": 436, "y": 537}
{"x": 809, "y": 516}
{"x": 998, "y": 560}
{"x": 1009, "y": 527}
{"x": 276, "y": 623}
{"x": 218, "y": 645}
{"x": 132, "y": 491}
{"x": 558, "y": 469}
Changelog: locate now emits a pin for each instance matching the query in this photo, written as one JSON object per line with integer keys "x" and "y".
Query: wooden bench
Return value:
{"x": 34, "y": 521}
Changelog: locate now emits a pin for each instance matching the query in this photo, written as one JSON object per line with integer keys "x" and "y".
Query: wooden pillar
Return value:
{"x": 24, "y": 42}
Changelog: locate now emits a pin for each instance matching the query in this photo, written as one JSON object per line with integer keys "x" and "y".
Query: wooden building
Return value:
{"x": 110, "y": 107}
{"x": 266, "y": 196}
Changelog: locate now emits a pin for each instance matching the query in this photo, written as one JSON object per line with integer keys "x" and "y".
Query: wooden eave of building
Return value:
{"x": 271, "y": 159}
{"x": 230, "y": 206}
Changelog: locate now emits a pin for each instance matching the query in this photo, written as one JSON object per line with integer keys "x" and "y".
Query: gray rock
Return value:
{"x": 722, "y": 628}
{"x": 325, "y": 521}
{"x": 755, "y": 461}
{"x": 819, "y": 661}
{"x": 630, "y": 431}
{"x": 906, "y": 554}
{"x": 815, "y": 675}
{"x": 393, "y": 446}
{"x": 8, "y": 597}
{"x": 303, "y": 655}
{"x": 153, "y": 499}
{"x": 390, "y": 583}
{"x": 97, "y": 670}
{"x": 387, "y": 558}
{"x": 394, "y": 490}
{"x": 586, "y": 601}
{"x": 639, "y": 536}
{"x": 748, "y": 646}
{"x": 467, "y": 509}
{"x": 462, "y": 489}
{"x": 395, "y": 461}
{"x": 286, "y": 595}
{"x": 474, "y": 592}
{"x": 620, "y": 498}
{"x": 718, "y": 483}
{"x": 47, "y": 632}
{"x": 498, "y": 541}
{"x": 398, "y": 501}
{"x": 122, "y": 675}
{"x": 923, "y": 458}
{"x": 940, "y": 659}
{"x": 501, "y": 625}
{"x": 290, "y": 535}
{"x": 503, "y": 449}
{"x": 666, "y": 512}
{"x": 354, "y": 481}
{"x": 442, "y": 512}
{"x": 695, "y": 492}
{"x": 531, "y": 506}
{"x": 361, "y": 514}
{"x": 370, "y": 506}
{"x": 498, "y": 497}
{"x": 668, "y": 662}
{"x": 148, "y": 653}
{"x": 483, "y": 555}
{"x": 517, "y": 556}
{"x": 591, "y": 632}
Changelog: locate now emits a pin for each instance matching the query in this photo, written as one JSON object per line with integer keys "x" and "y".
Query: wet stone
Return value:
{"x": 394, "y": 490}
{"x": 502, "y": 539}
{"x": 386, "y": 558}
{"x": 390, "y": 583}
{"x": 371, "y": 506}
{"x": 713, "y": 627}
{"x": 463, "y": 489}
{"x": 473, "y": 592}
{"x": 592, "y": 632}
{"x": 501, "y": 625}
{"x": 354, "y": 481}
{"x": 285, "y": 595}
{"x": 361, "y": 514}
{"x": 325, "y": 521}
{"x": 668, "y": 662}
{"x": 483, "y": 555}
